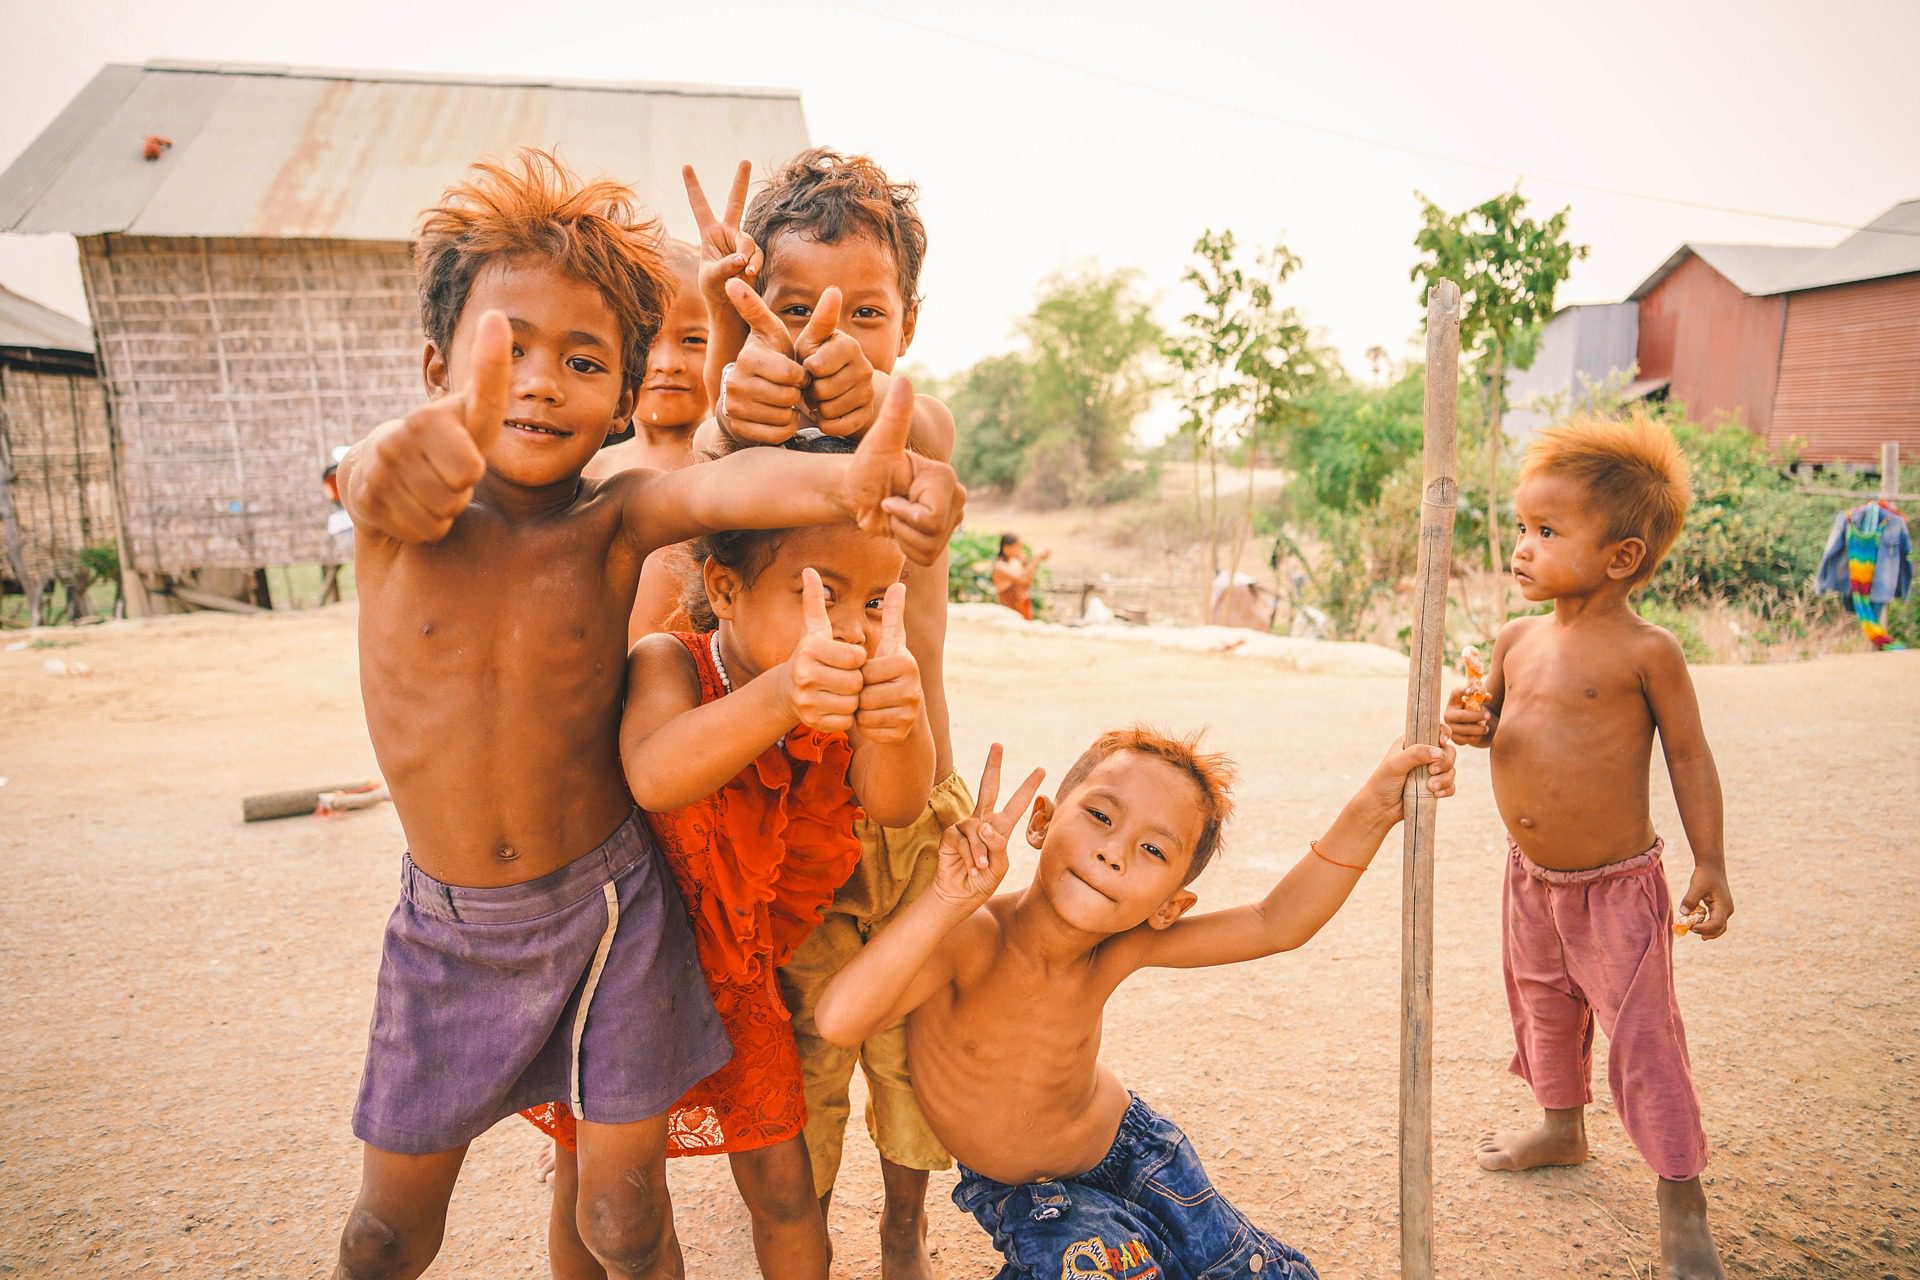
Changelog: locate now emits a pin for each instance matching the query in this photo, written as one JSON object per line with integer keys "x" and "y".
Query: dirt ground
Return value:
{"x": 186, "y": 998}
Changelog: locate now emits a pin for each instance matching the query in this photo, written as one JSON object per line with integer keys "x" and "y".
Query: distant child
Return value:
{"x": 1573, "y": 700}
{"x": 538, "y": 950}
{"x": 1070, "y": 1173}
{"x": 834, "y": 247}
{"x": 670, "y": 402}
{"x": 754, "y": 741}
{"x": 1013, "y": 570}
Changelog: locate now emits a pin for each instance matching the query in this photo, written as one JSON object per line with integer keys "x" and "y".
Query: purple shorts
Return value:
{"x": 582, "y": 985}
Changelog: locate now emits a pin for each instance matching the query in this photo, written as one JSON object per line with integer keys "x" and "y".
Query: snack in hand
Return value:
{"x": 1692, "y": 920}
{"x": 1475, "y": 694}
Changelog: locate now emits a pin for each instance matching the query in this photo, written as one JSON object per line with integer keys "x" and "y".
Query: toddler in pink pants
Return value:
{"x": 1573, "y": 702}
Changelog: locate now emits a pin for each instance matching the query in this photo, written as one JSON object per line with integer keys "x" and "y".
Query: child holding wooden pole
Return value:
{"x": 1573, "y": 701}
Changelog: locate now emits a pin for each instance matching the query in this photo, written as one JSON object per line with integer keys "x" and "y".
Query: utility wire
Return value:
{"x": 1361, "y": 138}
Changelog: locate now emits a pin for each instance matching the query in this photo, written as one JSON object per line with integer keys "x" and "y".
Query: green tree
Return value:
{"x": 1243, "y": 365}
{"x": 1508, "y": 267}
{"x": 1090, "y": 337}
{"x": 994, "y": 421}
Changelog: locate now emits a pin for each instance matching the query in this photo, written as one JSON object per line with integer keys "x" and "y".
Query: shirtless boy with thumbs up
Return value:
{"x": 538, "y": 950}
{"x": 812, "y": 294}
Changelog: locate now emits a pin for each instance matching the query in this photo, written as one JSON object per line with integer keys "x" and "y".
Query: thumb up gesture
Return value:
{"x": 890, "y": 693}
{"x": 761, "y": 395}
{"x": 891, "y": 492}
{"x": 839, "y": 389}
{"x": 415, "y": 476}
{"x": 823, "y": 675}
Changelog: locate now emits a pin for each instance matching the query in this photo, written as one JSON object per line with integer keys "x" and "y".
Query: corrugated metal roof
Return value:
{"x": 356, "y": 155}
{"x": 25, "y": 323}
{"x": 1887, "y": 246}
{"x": 1751, "y": 268}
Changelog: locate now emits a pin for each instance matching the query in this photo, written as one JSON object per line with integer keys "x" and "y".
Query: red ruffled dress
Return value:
{"x": 757, "y": 863}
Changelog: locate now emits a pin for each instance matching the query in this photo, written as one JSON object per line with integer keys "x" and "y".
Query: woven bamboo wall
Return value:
{"x": 59, "y": 468}
{"x": 234, "y": 366}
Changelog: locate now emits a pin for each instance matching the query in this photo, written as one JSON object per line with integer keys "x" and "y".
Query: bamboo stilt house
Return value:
{"x": 56, "y": 481}
{"x": 252, "y": 287}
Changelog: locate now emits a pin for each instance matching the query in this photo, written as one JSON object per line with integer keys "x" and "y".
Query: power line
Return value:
{"x": 1362, "y": 139}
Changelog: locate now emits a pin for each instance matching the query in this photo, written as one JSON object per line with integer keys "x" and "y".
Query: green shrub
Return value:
{"x": 970, "y": 566}
{"x": 1662, "y": 613}
{"x": 1749, "y": 537}
{"x": 970, "y": 558}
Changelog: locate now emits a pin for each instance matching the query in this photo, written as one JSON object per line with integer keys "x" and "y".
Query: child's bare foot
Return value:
{"x": 1687, "y": 1251}
{"x": 1559, "y": 1138}
{"x": 543, "y": 1165}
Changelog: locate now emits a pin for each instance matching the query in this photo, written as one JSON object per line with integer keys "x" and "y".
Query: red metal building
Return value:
{"x": 1816, "y": 345}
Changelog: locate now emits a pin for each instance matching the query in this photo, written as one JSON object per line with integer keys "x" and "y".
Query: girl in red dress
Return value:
{"x": 753, "y": 740}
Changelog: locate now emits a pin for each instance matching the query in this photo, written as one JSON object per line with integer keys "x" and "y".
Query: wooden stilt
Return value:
{"x": 1437, "y": 505}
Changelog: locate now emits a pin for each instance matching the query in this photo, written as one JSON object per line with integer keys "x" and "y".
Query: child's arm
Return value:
{"x": 1696, "y": 782}
{"x": 884, "y": 488}
{"x": 1475, "y": 726}
{"x": 912, "y": 957}
{"x": 677, "y": 750}
{"x": 1310, "y": 893}
{"x": 892, "y": 769}
{"x": 410, "y": 479}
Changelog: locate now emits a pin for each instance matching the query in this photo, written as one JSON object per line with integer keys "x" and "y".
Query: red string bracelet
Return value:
{"x": 1315, "y": 846}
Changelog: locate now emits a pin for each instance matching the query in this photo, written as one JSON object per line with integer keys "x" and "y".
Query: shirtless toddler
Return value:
{"x": 1572, "y": 702}
{"x": 1004, "y": 998}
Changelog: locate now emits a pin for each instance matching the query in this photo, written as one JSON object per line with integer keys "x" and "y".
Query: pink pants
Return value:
{"x": 1581, "y": 946}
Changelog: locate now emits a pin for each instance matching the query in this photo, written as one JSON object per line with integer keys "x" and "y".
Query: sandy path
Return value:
{"x": 186, "y": 998}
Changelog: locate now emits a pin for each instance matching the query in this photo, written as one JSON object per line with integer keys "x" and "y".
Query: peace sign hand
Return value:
{"x": 822, "y": 686}
{"x": 765, "y": 385}
{"x": 973, "y": 851}
{"x": 890, "y": 693}
{"x": 726, "y": 252}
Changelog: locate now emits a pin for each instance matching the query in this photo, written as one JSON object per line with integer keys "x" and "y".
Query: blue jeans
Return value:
{"x": 1147, "y": 1211}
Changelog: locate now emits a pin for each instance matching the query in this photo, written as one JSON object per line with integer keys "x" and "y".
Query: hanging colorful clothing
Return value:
{"x": 1868, "y": 559}
{"x": 757, "y": 862}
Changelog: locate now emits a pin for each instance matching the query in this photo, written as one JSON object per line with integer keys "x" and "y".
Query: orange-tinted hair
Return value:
{"x": 539, "y": 208}
{"x": 826, "y": 196}
{"x": 1633, "y": 472}
{"x": 1211, "y": 772}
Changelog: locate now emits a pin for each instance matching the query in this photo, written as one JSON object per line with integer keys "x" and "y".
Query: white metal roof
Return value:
{"x": 1887, "y": 246}
{"x": 357, "y": 155}
{"x": 25, "y": 323}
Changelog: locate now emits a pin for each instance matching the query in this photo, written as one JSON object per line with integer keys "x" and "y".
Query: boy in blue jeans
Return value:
{"x": 1003, "y": 997}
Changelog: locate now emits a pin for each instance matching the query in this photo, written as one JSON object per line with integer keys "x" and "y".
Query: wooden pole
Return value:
{"x": 1437, "y": 503}
{"x": 1889, "y": 469}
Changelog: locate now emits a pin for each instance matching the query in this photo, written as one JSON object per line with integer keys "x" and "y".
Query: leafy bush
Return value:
{"x": 970, "y": 566}
{"x": 970, "y": 556}
{"x": 1662, "y": 613}
{"x": 1749, "y": 537}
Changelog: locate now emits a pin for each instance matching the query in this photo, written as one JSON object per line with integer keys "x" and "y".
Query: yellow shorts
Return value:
{"x": 896, "y": 864}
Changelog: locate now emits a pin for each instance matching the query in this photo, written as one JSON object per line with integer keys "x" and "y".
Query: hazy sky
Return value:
{"x": 1046, "y": 134}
